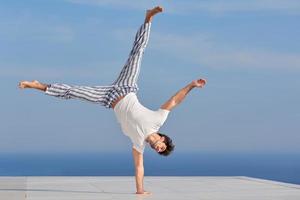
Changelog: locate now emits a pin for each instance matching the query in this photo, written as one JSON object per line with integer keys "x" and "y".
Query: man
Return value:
{"x": 140, "y": 124}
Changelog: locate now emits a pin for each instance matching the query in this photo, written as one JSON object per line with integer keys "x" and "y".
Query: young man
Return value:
{"x": 140, "y": 124}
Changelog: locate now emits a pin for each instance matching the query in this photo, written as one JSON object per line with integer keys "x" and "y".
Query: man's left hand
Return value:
{"x": 199, "y": 83}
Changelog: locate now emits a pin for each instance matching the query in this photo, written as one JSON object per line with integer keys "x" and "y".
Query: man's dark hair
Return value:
{"x": 169, "y": 144}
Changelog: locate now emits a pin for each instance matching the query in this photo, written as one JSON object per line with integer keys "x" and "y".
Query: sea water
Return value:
{"x": 272, "y": 166}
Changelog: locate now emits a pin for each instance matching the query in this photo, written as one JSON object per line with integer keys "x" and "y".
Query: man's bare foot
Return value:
{"x": 150, "y": 13}
{"x": 32, "y": 84}
{"x": 27, "y": 84}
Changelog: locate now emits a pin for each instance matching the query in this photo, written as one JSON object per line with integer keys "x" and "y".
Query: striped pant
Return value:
{"x": 125, "y": 83}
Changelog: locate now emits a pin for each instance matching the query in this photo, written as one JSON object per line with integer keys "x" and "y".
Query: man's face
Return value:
{"x": 160, "y": 146}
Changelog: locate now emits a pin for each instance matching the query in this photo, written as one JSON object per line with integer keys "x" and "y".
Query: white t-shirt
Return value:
{"x": 137, "y": 121}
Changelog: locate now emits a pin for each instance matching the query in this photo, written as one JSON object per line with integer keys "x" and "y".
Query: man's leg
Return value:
{"x": 94, "y": 94}
{"x": 130, "y": 71}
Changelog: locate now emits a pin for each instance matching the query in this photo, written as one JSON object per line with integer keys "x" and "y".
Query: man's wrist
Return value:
{"x": 192, "y": 85}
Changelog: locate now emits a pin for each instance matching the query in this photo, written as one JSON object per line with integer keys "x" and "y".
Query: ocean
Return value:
{"x": 271, "y": 166}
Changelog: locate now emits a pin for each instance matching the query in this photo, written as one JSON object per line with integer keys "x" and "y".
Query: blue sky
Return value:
{"x": 247, "y": 50}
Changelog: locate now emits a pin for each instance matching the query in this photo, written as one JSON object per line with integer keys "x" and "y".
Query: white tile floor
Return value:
{"x": 115, "y": 188}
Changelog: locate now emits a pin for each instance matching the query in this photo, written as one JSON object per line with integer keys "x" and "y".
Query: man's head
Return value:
{"x": 164, "y": 145}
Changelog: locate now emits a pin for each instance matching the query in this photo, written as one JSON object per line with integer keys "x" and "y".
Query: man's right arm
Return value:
{"x": 139, "y": 171}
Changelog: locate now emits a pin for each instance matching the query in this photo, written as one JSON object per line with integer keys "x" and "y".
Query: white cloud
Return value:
{"x": 228, "y": 6}
{"x": 133, "y": 4}
{"x": 91, "y": 70}
{"x": 30, "y": 27}
{"x": 212, "y": 6}
{"x": 202, "y": 50}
